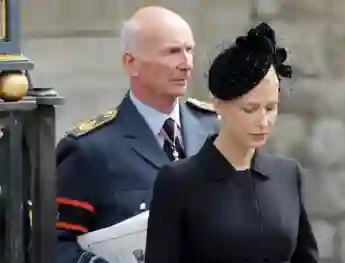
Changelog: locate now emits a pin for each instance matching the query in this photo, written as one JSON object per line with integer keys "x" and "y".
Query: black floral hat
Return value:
{"x": 239, "y": 68}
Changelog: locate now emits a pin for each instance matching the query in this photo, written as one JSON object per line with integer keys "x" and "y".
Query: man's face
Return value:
{"x": 164, "y": 63}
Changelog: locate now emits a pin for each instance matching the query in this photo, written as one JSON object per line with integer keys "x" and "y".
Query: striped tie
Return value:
{"x": 172, "y": 145}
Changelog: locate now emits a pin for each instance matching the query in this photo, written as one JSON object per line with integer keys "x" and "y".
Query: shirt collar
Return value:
{"x": 154, "y": 118}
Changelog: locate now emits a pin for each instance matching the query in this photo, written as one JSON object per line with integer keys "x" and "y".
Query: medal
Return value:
{"x": 175, "y": 154}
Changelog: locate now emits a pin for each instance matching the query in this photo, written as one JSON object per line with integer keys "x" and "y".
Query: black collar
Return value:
{"x": 214, "y": 164}
{"x": 261, "y": 164}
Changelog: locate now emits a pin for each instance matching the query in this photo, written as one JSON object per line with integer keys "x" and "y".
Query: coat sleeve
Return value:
{"x": 165, "y": 223}
{"x": 307, "y": 249}
{"x": 75, "y": 204}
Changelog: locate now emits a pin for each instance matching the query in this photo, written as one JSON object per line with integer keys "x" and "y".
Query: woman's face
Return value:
{"x": 248, "y": 120}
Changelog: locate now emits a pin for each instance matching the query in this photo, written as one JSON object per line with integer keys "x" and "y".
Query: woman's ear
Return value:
{"x": 216, "y": 104}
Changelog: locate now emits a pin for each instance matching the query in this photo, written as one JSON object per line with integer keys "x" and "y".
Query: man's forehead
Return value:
{"x": 178, "y": 44}
{"x": 173, "y": 38}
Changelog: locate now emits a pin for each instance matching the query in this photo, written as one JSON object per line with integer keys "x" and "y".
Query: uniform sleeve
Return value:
{"x": 307, "y": 248}
{"x": 164, "y": 224}
{"x": 75, "y": 203}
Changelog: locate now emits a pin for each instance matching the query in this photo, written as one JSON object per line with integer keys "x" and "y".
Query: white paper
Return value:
{"x": 121, "y": 243}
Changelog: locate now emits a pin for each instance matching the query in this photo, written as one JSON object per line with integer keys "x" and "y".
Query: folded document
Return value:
{"x": 121, "y": 243}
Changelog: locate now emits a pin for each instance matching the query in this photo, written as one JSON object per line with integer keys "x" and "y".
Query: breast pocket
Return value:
{"x": 132, "y": 202}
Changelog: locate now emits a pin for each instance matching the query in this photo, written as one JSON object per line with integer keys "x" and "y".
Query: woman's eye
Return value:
{"x": 248, "y": 110}
{"x": 271, "y": 108}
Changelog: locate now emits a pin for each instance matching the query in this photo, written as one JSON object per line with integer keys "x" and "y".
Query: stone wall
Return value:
{"x": 75, "y": 47}
{"x": 312, "y": 127}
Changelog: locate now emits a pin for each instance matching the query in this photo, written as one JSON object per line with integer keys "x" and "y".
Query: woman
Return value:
{"x": 231, "y": 202}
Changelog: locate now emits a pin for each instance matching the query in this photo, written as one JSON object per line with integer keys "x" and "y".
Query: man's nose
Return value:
{"x": 186, "y": 61}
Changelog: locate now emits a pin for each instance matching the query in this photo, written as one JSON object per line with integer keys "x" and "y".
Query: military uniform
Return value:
{"x": 106, "y": 168}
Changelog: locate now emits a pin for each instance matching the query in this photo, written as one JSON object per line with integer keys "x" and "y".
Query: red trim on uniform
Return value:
{"x": 76, "y": 203}
{"x": 68, "y": 226}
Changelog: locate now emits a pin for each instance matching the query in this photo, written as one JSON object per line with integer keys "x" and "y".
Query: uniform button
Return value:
{"x": 142, "y": 206}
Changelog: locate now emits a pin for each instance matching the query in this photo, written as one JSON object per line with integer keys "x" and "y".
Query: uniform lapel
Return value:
{"x": 194, "y": 135}
{"x": 139, "y": 135}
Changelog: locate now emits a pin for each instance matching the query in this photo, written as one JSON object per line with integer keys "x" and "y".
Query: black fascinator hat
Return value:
{"x": 239, "y": 68}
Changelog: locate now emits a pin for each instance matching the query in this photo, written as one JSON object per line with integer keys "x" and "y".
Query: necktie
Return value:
{"x": 172, "y": 145}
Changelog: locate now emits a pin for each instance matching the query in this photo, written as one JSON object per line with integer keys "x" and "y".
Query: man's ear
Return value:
{"x": 129, "y": 64}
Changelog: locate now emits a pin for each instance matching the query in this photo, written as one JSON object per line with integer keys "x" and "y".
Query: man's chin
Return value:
{"x": 178, "y": 91}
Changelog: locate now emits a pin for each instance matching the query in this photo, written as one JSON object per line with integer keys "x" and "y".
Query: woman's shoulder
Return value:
{"x": 177, "y": 173}
{"x": 277, "y": 159}
{"x": 180, "y": 168}
{"x": 274, "y": 164}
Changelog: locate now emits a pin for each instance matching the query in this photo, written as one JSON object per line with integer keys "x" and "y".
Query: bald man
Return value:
{"x": 106, "y": 166}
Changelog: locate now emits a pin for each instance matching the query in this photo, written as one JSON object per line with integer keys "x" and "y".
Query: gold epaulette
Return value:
{"x": 84, "y": 127}
{"x": 201, "y": 105}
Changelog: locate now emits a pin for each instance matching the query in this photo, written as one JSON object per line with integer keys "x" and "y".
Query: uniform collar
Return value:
{"x": 155, "y": 119}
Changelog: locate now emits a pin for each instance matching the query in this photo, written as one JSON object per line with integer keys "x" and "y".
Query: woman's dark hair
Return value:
{"x": 239, "y": 68}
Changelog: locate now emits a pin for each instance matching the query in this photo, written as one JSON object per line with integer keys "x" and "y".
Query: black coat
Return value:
{"x": 203, "y": 210}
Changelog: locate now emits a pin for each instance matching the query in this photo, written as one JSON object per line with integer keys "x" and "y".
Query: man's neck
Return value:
{"x": 163, "y": 104}
{"x": 238, "y": 156}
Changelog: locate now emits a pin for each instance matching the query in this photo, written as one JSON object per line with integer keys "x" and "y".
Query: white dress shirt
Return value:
{"x": 155, "y": 119}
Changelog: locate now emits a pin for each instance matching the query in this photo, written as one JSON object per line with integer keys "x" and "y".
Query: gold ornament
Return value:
{"x": 13, "y": 87}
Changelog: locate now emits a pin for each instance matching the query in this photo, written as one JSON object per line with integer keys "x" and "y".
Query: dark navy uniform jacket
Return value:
{"x": 107, "y": 166}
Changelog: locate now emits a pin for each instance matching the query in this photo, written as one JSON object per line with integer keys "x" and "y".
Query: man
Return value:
{"x": 106, "y": 166}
